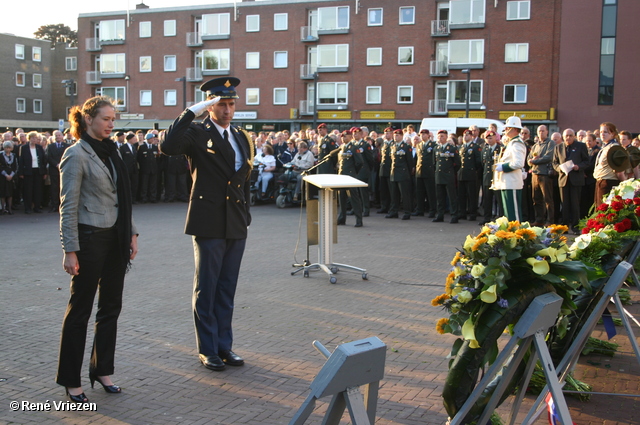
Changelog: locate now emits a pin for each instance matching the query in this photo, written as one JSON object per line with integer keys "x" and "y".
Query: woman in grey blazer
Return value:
{"x": 99, "y": 240}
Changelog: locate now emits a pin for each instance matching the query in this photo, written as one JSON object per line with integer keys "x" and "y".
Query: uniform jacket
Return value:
{"x": 219, "y": 202}
{"x": 576, "y": 152}
{"x": 326, "y": 145}
{"x": 147, "y": 159}
{"x": 87, "y": 194}
{"x": 487, "y": 162}
{"x": 385, "y": 159}
{"x": 24, "y": 160}
{"x": 512, "y": 159}
{"x": 425, "y": 165}
{"x": 130, "y": 158}
{"x": 401, "y": 161}
{"x": 365, "y": 149}
{"x": 447, "y": 162}
{"x": 470, "y": 161}
{"x": 349, "y": 160}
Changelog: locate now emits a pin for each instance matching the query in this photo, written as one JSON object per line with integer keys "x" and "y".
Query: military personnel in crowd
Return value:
{"x": 490, "y": 152}
{"x": 385, "y": 171}
{"x": 148, "y": 169}
{"x": 542, "y": 171}
{"x": 129, "y": 153}
{"x": 447, "y": 162}
{"x": 349, "y": 162}
{"x": 326, "y": 146}
{"x": 364, "y": 174}
{"x": 425, "y": 175}
{"x": 470, "y": 165}
{"x": 401, "y": 169}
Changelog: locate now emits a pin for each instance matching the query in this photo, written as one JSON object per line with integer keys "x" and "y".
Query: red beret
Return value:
{"x": 354, "y": 129}
{"x": 442, "y": 131}
{"x": 397, "y": 131}
{"x": 323, "y": 125}
{"x": 424, "y": 130}
{"x": 345, "y": 132}
{"x": 388, "y": 129}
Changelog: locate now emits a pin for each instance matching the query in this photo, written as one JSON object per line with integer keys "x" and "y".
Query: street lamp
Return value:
{"x": 315, "y": 100}
{"x": 468, "y": 72}
{"x": 184, "y": 91}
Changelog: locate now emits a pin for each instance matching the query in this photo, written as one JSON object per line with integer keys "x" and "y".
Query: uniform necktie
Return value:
{"x": 225, "y": 135}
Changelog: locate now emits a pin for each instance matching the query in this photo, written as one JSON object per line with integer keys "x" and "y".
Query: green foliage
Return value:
{"x": 57, "y": 34}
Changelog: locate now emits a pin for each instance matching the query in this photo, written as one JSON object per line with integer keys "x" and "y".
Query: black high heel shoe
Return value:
{"x": 111, "y": 389}
{"x": 80, "y": 398}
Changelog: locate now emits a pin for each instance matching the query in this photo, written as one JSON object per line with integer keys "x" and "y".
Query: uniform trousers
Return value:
{"x": 401, "y": 189}
{"x": 444, "y": 191}
{"x": 488, "y": 197}
{"x": 217, "y": 263}
{"x": 100, "y": 266}
{"x": 364, "y": 196}
{"x": 542, "y": 187}
{"x": 148, "y": 187}
{"x": 468, "y": 198}
{"x": 385, "y": 193}
{"x": 426, "y": 189}
{"x": 351, "y": 195}
{"x": 512, "y": 204}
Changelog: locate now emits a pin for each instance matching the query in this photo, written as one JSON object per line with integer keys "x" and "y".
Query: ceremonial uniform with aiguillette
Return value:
{"x": 364, "y": 174}
{"x": 489, "y": 155}
{"x": 447, "y": 161}
{"x": 426, "y": 178}
{"x": 384, "y": 173}
{"x": 325, "y": 147}
{"x": 349, "y": 162}
{"x": 220, "y": 157}
{"x": 401, "y": 168}
{"x": 470, "y": 166}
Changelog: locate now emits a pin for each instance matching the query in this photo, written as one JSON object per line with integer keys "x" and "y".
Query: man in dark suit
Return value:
{"x": 148, "y": 169}
{"x": 129, "y": 154}
{"x": 54, "y": 153}
{"x": 221, "y": 158}
{"x": 470, "y": 166}
{"x": 570, "y": 183}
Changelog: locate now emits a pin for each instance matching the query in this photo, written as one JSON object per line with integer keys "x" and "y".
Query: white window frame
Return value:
{"x": 278, "y": 17}
{"x": 280, "y": 54}
{"x": 220, "y": 56}
{"x": 252, "y": 57}
{"x": 519, "y": 10}
{"x": 37, "y": 106}
{"x": 71, "y": 63}
{"x": 144, "y": 93}
{"x": 175, "y": 63}
{"x": 400, "y": 88}
{"x": 400, "y": 50}
{"x": 515, "y": 93}
{"x": 464, "y": 83}
{"x": 19, "y": 101}
{"x": 36, "y": 54}
{"x": 472, "y": 6}
{"x": 170, "y": 28}
{"x": 112, "y": 34}
{"x": 119, "y": 98}
{"x": 335, "y": 19}
{"x": 144, "y": 29}
{"x": 336, "y": 98}
{"x": 37, "y": 84}
{"x": 140, "y": 64}
{"x": 19, "y": 51}
{"x": 167, "y": 97}
{"x": 23, "y": 77}
{"x": 512, "y": 52}
{"x": 119, "y": 60}
{"x": 454, "y": 43}
{"x": 277, "y": 90}
{"x": 339, "y": 61}
{"x": 216, "y": 24}
{"x": 252, "y": 92}
{"x": 371, "y": 23}
{"x": 198, "y": 95}
{"x": 401, "y": 21}
{"x": 253, "y": 23}
{"x": 67, "y": 90}
{"x": 371, "y": 59}
{"x": 369, "y": 98}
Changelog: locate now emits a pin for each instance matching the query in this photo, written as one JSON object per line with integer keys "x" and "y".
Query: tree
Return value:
{"x": 57, "y": 34}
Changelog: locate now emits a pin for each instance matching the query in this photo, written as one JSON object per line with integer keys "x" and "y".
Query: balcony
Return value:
{"x": 308, "y": 34}
{"x": 439, "y": 69}
{"x": 93, "y": 44}
{"x": 440, "y": 28}
{"x": 437, "y": 107}
{"x": 307, "y": 71}
{"x": 194, "y": 74}
{"x": 306, "y": 107}
{"x": 194, "y": 39}
{"x": 93, "y": 77}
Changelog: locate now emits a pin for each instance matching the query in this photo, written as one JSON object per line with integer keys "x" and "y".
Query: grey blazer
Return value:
{"x": 87, "y": 194}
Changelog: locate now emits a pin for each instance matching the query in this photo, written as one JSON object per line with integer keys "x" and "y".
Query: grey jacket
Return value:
{"x": 87, "y": 194}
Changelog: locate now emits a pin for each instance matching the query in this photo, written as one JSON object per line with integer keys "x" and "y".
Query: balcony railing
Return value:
{"x": 309, "y": 34}
{"x": 194, "y": 74}
{"x": 307, "y": 71}
{"x": 93, "y": 44}
{"x": 437, "y": 107}
{"x": 439, "y": 69}
{"x": 93, "y": 77}
{"x": 439, "y": 28}
{"x": 194, "y": 39}
{"x": 306, "y": 107}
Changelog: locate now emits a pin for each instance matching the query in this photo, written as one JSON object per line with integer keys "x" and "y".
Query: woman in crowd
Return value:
{"x": 8, "y": 169}
{"x": 266, "y": 174}
{"x": 32, "y": 169}
{"x": 99, "y": 240}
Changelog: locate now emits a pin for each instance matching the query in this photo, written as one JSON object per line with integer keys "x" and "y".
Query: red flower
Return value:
{"x": 603, "y": 207}
{"x": 611, "y": 216}
{"x": 600, "y": 217}
{"x": 628, "y": 201}
{"x": 585, "y": 230}
{"x": 636, "y": 201}
{"x": 617, "y": 205}
{"x": 638, "y": 211}
{"x": 619, "y": 227}
{"x": 626, "y": 223}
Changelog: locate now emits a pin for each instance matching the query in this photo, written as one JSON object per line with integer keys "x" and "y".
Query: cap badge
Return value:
{"x": 227, "y": 84}
{"x": 209, "y": 144}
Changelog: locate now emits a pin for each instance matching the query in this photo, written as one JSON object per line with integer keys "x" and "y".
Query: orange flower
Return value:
{"x": 456, "y": 258}
{"x": 558, "y": 228}
{"x": 486, "y": 232}
{"x": 513, "y": 225}
{"x": 479, "y": 243}
{"x": 441, "y": 324}
{"x": 506, "y": 235}
{"x": 439, "y": 300}
{"x": 527, "y": 234}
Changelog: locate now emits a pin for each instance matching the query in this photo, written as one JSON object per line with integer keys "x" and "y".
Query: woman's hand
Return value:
{"x": 134, "y": 246}
{"x": 70, "y": 263}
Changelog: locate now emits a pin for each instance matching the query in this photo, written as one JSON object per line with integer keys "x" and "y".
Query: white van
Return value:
{"x": 457, "y": 125}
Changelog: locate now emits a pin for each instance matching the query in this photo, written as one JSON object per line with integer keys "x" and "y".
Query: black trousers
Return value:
{"x": 444, "y": 191}
{"x": 468, "y": 198}
{"x": 101, "y": 266}
{"x": 402, "y": 190}
{"x": 175, "y": 187}
{"x": 385, "y": 193}
{"x": 353, "y": 196}
{"x": 32, "y": 189}
{"x": 489, "y": 196}
{"x": 54, "y": 176}
{"x": 571, "y": 196}
{"x": 148, "y": 187}
{"x": 426, "y": 189}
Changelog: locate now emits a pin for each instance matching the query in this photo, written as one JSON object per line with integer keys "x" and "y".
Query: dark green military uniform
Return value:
{"x": 468, "y": 185}
{"x": 384, "y": 173}
{"x": 489, "y": 156}
{"x": 401, "y": 167}
{"x": 325, "y": 146}
{"x": 349, "y": 162}
{"x": 364, "y": 175}
{"x": 426, "y": 177}
{"x": 447, "y": 161}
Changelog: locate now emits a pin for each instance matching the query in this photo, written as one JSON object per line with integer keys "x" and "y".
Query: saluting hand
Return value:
{"x": 200, "y": 107}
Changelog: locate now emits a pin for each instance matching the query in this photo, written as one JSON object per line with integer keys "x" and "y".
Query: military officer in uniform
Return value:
{"x": 401, "y": 169}
{"x": 220, "y": 157}
{"x": 385, "y": 171}
{"x": 470, "y": 166}
{"x": 364, "y": 174}
{"x": 326, "y": 145}
{"x": 490, "y": 152}
{"x": 129, "y": 155}
{"x": 425, "y": 175}
{"x": 349, "y": 162}
{"x": 508, "y": 178}
{"x": 447, "y": 161}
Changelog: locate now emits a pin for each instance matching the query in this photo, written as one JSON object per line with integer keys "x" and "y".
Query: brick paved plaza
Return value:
{"x": 277, "y": 318}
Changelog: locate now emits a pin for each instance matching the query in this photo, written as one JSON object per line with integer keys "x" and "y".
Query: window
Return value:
{"x": 170, "y": 28}
{"x": 405, "y": 55}
{"x": 117, "y": 94}
{"x": 253, "y": 23}
{"x": 607, "y": 52}
{"x": 21, "y": 105}
{"x": 20, "y": 79}
{"x": 37, "y": 106}
{"x": 280, "y": 96}
{"x": 199, "y": 95}
{"x": 215, "y": 24}
{"x": 374, "y": 95}
{"x": 145, "y": 97}
{"x": 515, "y": 93}
{"x": 36, "y": 54}
{"x": 170, "y": 63}
{"x": 19, "y": 51}
{"x": 71, "y": 63}
{"x": 170, "y": 98}
{"x": 518, "y": 10}
{"x": 333, "y": 18}
{"x": 466, "y": 52}
{"x": 374, "y": 56}
{"x": 332, "y": 93}
{"x": 407, "y": 15}
{"x": 37, "y": 81}
{"x": 145, "y": 29}
{"x": 280, "y": 21}
{"x": 457, "y": 93}
{"x": 463, "y": 12}
{"x": 253, "y": 96}
{"x": 111, "y": 30}
{"x": 112, "y": 63}
{"x": 516, "y": 52}
{"x": 253, "y": 60}
{"x": 405, "y": 94}
{"x": 145, "y": 63}
{"x": 333, "y": 55}
{"x": 375, "y": 17}
{"x": 280, "y": 59}
{"x": 68, "y": 90}
{"x": 215, "y": 60}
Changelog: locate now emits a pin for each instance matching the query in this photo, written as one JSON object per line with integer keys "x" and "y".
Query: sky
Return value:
{"x": 23, "y": 19}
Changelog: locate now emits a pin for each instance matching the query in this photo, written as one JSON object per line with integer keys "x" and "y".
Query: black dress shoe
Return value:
{"x": 394, "y": 215}
{"x": 212, "y": 362}
{"x": 341, "y": 223}
{"x": 231, "y": 358}
{"x": 454, "y": 220}
{"x": 111, "y": 389}
{"x": 417, "y": 214}
{"x": 382, "y": 211}
{"x": 438, "y": 220}
{"x": 80, "y": 398}
{"x": 358, "y": 225}
{"x": 406, "y": 216}
{"x": 350, "y": 212}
